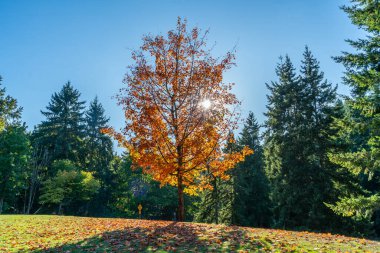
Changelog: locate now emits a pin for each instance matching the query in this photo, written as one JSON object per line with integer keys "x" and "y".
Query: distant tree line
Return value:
{"x": 316, "y": 161}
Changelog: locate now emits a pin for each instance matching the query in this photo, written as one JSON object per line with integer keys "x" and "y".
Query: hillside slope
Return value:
{"x": 20, "y": 233}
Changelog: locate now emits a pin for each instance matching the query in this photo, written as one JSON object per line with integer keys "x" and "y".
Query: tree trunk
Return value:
{"x": 29, "y": 199}
{"x": 36, "y": 212}
{"x": 1, "y": 204}
{"x": 25, "y": 200}
{"x": 59, "y": 208}
{"x": 217, "y": 199}
{"x": 32, "y": 190}
{"x": 86, "y": 209}
{"x": 181, "y": 204}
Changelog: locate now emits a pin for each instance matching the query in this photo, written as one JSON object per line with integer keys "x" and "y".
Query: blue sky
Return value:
{"x": 44, "y": 44}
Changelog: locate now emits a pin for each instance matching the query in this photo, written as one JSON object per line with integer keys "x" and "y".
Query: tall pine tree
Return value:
{"x": 284, "y": 145}
{"x": 62, "y": 132}
{"x": 216, "y": 204}
{"x": 10, "y": 112}
{"x": 320, "y": 100}
{"x": 251, "y": 205}
{"x": 360, "y": 128}
{"x": 99, "y": 154}
{"x": 299, "y": 113}
{"x": 99, "y": 145}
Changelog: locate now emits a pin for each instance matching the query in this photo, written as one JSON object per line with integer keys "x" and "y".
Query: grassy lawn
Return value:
{"x": 20, "y": 233}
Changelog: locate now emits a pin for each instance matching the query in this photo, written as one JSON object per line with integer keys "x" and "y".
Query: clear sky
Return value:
{"x": 44, "y": 44}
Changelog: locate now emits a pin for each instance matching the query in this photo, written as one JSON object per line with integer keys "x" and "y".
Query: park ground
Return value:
{"x": 46, "y": 233}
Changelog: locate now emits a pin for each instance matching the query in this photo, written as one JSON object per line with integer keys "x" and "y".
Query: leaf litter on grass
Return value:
{"x": 21, "y": 233}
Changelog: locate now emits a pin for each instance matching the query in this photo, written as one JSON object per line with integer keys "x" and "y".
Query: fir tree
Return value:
{"x": 99, "y": 153}
{"x": 99, "y": 145}
{"x": 251, "y": 206}
{"x": 10, "y": 112}
{"x": 319, "y": 105}
{"x": 299, "y": 113}
{"x": 359, "y": 129}
{"x": 216, "y": 204}
{"x": 284, "y": 145}
{"x": 62, "y": 132}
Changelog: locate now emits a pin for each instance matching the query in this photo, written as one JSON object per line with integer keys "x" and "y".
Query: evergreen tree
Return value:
{"x": 215, "y": 205}
{"x": 10, "y": 112}
{"x": 99, "y": 153}
{"x": 359, "y": 129}
{"x": 299, "y": 113}
{"x": 320, "y": 108}
{"x": 242, "y": 200}
{"x": 14, "y": 154}
{"x": 251, "y": 206}
{"x": 284, "y": 145}
{"x": 62, "y": 132}
{"x": 99, "y": 146}
{"x": 14, "y": 149}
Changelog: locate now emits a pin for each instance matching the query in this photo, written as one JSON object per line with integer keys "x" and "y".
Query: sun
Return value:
{"x": 206, "y": 104}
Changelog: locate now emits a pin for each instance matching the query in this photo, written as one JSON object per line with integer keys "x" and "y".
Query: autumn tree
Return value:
{"x": 179, "y": 111}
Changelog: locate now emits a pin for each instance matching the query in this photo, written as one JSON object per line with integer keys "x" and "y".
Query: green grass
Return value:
{"x": 44, "y": 233}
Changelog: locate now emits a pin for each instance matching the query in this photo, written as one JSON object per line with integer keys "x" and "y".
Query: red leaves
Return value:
{"x": 167, "y": 132}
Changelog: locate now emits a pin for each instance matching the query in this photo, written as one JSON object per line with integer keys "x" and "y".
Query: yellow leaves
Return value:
{"x": 246, "y": 151}
{"x": 191, "y": 190}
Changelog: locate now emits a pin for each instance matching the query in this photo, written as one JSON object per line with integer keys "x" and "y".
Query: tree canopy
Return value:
{"x": 179, "y": 112}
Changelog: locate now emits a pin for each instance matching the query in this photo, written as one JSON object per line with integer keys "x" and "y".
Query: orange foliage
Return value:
{"x": 31, "y": 233}
{"x": 168, "y": 132}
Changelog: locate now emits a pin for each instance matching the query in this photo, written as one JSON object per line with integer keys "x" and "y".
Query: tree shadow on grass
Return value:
{"x": 175, "y": 237}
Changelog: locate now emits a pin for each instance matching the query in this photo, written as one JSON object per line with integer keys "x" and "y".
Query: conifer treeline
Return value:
{"x": 316, "y": 163}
